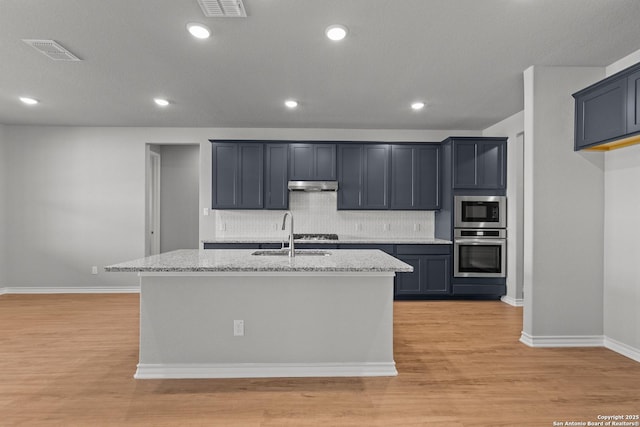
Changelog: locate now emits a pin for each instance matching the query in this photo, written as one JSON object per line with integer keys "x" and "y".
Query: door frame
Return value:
{"x": 152, "y": 223}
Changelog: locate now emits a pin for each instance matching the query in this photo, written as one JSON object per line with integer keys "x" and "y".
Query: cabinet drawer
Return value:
{"x": 315, "y": 246}
{"x": 384, "y": 248}
{"x": 231, "y": 246}
{"x": 423, "y": 249}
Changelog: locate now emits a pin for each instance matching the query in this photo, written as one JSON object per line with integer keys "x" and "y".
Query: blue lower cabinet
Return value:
{"x": 389, "y": 249}
{"x": 478, "y": 286}
{"x": 231, "y": 246}
{"x": 431, "y": 276}
{"x": 431, "y": 271}
{"x": 316, "y": 246}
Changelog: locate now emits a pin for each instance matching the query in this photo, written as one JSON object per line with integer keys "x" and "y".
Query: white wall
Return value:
{"x": 77, "y": 195}
{"x": 563, "y": 252}
{"x": 621, "y": 242}
{"x": 513, "y": 128}
{"x": 179, "y": 197}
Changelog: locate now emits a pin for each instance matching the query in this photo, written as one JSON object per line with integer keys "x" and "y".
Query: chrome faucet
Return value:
{"x": 292, "y": 250}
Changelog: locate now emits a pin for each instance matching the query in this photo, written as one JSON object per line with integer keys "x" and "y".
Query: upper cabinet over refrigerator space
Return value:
{"x": 607, "y": 113}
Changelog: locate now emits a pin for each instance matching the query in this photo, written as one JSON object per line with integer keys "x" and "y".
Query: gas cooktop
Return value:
{"x": 315, "y": 236}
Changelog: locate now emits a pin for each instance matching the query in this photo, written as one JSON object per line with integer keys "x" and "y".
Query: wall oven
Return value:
{"x": 480, "y": 252}
{"x": 480, "y": 211}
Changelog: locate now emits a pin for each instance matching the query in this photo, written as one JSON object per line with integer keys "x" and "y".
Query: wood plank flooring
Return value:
{"x": 68, "y": 360}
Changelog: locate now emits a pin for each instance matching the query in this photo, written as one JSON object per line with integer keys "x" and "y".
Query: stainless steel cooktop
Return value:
{"x": 316, "y": 236}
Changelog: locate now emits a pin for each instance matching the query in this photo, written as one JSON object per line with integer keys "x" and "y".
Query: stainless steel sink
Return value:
{"x": 285, "y": 252}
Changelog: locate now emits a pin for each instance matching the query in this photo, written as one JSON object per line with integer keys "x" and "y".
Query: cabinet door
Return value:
{"x": 301, "y": 168}
{"x": 601, "y": 113}
{"x": 415, "y": 177}
{"x": 276, "y": 194}
{"x": 491, "y": 165}
{"x": 403, "y": 177}
{"x": 350, "y": 176}
{"x": 428, "y": 179}
{"x": 312, "y": 162}
{"x": 324, "y": 162}
{"x": 437, "y": 274}
{"x": 410, "y": 283}
{"x": 250, "y": 176}
{"x": 376, "y": 176}
{"x": 480, "y": 164}
{"x": 224, "y": 176}
{"x": 465, "y": 166}
{"x": 633, "y": 102}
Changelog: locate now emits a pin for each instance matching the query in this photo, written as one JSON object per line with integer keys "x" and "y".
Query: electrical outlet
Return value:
{"x": 205, "y": 211}
{"x": 387, "y": 227}
{"x": 238, "y": 328}
{"x": 94, "y": 269}
{"x": 416, "y": 227}
{"x": 358, "y": 227}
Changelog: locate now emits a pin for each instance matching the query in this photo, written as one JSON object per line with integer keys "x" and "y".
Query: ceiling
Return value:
{"x": 464, "y": 58}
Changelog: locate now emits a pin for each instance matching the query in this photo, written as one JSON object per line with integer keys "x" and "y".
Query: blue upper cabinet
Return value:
{"x": 415, "y": 176}
{"x": 312, "y": 162}
{"x": 276, "y": 193}
{"x": 363, "y": 176}
{"x": 607, "y": 113}
{"x": 633, "y": 102}
{"x": 479, "y": 163}
{"x": 601, "y": 113}
{"x": 237, "y": 175}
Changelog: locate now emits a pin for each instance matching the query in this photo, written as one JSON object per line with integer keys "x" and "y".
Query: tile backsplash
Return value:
{"x": 317, "y": 213}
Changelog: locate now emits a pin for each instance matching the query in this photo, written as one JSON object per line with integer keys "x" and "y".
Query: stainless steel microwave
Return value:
{"x": 480, "y": 211}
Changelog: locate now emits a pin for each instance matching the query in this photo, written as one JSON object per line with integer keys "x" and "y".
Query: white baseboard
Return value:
{"x": 622, "y": 348}
{"x": 516, "y": 302}
{"x": 264, "y": 370}
{"x": 70, "y": 290}
{"x": 562, "y": 340}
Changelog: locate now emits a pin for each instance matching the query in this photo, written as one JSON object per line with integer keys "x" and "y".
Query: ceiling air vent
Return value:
{"x": 223, "y": 8}
{"x": 52, "y": 49}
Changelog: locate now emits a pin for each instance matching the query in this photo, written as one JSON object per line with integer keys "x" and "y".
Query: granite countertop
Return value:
{"x": 341, "y": 239}
{"x": 216, "y": 260}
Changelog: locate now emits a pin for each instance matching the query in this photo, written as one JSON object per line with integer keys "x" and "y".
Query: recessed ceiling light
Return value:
{"x": 28, "y": 100}
{"x": 199, "y": 31}
{"x": 419, "y": 105}
{"x": 161, "y": 102}
{"x": 336, "y": 32}
{"x": 290, "y": 103}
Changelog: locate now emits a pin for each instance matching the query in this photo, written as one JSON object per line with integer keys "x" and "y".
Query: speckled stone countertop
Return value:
{"x": 341, "y": 239}
{"x": 216, "y": 260}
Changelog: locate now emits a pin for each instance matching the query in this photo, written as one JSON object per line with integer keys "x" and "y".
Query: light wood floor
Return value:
{"x": 69, "y": 360}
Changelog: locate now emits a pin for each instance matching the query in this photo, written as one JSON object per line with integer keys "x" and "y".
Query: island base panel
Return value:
{"x": 294, "y": 326}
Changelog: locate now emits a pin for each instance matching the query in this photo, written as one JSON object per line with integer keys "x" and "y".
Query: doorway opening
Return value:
{"x": 172, "y": 197}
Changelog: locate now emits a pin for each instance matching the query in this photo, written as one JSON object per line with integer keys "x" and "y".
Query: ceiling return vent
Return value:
{"x": 223, "y": 8}
{"x": 52, "y": 49}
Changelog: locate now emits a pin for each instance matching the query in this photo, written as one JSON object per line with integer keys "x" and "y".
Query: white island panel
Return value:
{"x": 305, "y": 324}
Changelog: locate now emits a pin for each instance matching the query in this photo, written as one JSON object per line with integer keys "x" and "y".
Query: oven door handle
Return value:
{"x": 481, "y": 241}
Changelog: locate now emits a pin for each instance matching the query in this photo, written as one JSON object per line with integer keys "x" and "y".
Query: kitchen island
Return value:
{"x": 233, "y": 314}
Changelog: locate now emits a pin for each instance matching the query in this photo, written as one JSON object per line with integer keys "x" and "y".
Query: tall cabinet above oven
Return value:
{"x": 473, "y": 213}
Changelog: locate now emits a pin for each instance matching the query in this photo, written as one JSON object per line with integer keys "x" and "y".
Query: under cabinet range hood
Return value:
{"x": 313, "y": 186}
